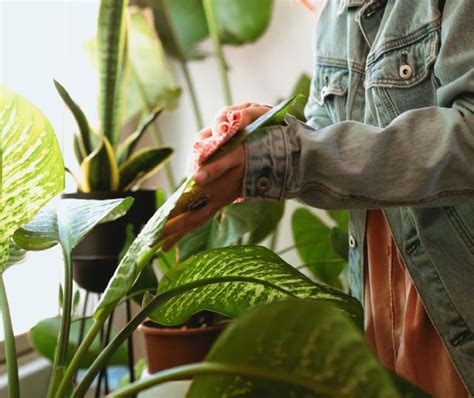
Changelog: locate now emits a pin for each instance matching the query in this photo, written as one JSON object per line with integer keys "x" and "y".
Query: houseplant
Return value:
{"x": 110, "y": 167}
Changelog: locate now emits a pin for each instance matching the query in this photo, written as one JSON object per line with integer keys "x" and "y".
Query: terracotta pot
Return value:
{"x": 170, "y": 347}
{"x": 95, "y": 259}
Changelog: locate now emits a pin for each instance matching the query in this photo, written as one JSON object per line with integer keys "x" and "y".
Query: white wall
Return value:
{"x": 42, "y": 40}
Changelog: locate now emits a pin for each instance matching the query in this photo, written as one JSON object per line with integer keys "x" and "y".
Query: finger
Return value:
{"x": 187, "y": 221}
{"x": 171, "y": 241}
{"x": 220, "y": 166}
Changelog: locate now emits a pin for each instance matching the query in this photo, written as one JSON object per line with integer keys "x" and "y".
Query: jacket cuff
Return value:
{"x": 266, "y": 164}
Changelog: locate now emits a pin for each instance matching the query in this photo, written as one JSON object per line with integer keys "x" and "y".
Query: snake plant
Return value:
{"x": 107, "y": 163}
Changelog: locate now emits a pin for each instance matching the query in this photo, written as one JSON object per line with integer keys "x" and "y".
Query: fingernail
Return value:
{"x": 201, "y": 176}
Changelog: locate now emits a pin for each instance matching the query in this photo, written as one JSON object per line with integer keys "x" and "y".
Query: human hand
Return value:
{"x": 218, "y": 183}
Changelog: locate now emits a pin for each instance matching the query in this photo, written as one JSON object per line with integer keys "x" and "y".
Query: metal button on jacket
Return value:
{"x": 406, "y": 71}
{"x": 263, "y": 184}
{"x": 352, "y": 242}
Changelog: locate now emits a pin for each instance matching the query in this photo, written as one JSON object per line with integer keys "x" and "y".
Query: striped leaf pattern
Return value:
{"x": 139, "y": 254}
{"x": 316, "y": 351}
{"x": 274, "y": 280}
{"x": 32, "y": 169}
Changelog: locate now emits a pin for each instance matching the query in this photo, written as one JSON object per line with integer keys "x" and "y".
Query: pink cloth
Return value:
{"x": 221, "y": 133}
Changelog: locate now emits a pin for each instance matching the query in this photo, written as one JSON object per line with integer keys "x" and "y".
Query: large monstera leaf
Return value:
{"x": 260, "y": 276}
{"x": 31, "y": 167}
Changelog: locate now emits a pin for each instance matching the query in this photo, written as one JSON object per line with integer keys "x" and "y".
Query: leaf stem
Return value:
{"x": 10, "y": 347}
{"x": 293, "y": 247}
{"x": 129, "y": 328}
{"x": 214, "y": 368}
{"x": 214, "y": 32}
{"x": 184, "y": 66}
{"x": 65, "y": 327}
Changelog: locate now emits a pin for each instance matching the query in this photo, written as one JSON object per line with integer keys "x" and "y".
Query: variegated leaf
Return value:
{"x": 305, "y": 349}
{"x": 274, "y": 280}
{"x": 31, "y": 167}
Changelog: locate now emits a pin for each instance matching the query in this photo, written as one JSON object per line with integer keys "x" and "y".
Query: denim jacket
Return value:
{"x": 390, "y": 124}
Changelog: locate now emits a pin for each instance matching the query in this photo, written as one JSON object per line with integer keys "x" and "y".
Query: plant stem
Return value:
{"x": 76, "y": 360}
{"x": 214, "y": 368}
{"x": 65, "y": 327}
{"x": 274, "y": 239}
{"x": 129, "y": 328}
{"x": 184, "y": 65}
{"x": 292, "y": 247}
{"x": 10, "y": 347}
{"x": 214, "y": 32}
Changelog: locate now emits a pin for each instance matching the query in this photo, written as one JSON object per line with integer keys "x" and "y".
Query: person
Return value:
{"x": 390, "y": 135}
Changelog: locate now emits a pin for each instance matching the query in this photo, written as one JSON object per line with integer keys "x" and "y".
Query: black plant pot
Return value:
{"x": 95, "y": 259}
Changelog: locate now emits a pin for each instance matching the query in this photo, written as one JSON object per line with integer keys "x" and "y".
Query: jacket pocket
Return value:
{"x": 401, "y": 76}
{"x": 329, "y": 90}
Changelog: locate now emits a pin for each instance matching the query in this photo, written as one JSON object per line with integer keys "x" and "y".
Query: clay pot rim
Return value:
{"x": 174, "y": 331}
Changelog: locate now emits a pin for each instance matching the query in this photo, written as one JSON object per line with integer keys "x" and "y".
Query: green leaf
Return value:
{"x": 272, "y": 212}
{"x": 69, "y": 222}
{"x": 132, "y": 140}
{"x": 100, "y": 169}
{"x": 232, "y": 223}
{"x": 297, "y": 348}
{"x": 302, "y": 89}
{"x": 43, "y": 337}
{"x": 146, "y": 245}
{"x": 242, "y": 21}
{"x": 273, "y": 280}
{"x": 151, "y": 82}
{"x": 140, "y": 253}
{"x": 16, "y": 255}
{"x": 141, "y": 165}
{"x": 84, "y": 141}
{"x": 340, "y": 242}
{"x": 31, "y": 166}
{"x": 341, "y": 217}
{"x": 111, "y": 50}
{"x": 312, "y": 238}
{"x": 181, "y": 25}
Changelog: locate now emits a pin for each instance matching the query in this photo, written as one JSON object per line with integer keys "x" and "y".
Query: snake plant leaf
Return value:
{"x": 297, "y": 348}
{"x": 301, "y": 88}
{"x": 242, "y": 21}
{"x": 69, "y": 222}
{"x": 313, "y": 243}
{"x": 142, "y": 165}
{"x": 272, "y": 211}
{"x": 146, "y": 246}
{"x": 273, "y": 280}
{"x": 31, "y": 166}
{"x": 43, "y": 337}
{"x": 232, "y": 223}
{"x": 111, "y": 51}
{"x": 151, "y": 84}
{"x": 84, "y": 139}
{"x": 127, "y": 147}
{"x": 140, "y": 253}
{"x": 100, "y": 170}
{"x": 181, "y": 25}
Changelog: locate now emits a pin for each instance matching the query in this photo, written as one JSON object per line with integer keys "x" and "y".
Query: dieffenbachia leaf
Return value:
{"x": 313, "y": 243}
{"x": 151, "y": 83}
{"x": 141, "y": 251}
{"x": 16, "y": 255}
{"x": 142, "y": 165}
{"x": 111, "y": 51}
{"x": 272, "y": 280}
{"x": 127, "y": 147}
{"x": 296, "y": 348}
{"x": 273, "y": 211}
{"x": 145, "y": 245}
{"x": 100, "y": 169}
{"x": 68, "y": 223}
{"x": 31, "y": 166}
{"x": 242, "y": 21}
{"x": 84, "y": 141}
{"x": 44, "y": 334}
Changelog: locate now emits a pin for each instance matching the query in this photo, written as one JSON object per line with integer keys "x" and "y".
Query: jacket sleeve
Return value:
{"x": 424, "y": 158}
